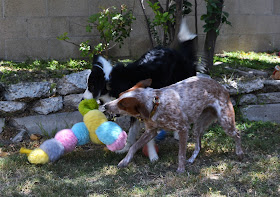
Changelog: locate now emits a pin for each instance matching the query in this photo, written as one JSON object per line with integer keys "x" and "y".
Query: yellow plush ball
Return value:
{"x": 92, "y": 120}
{"x": 38, "y": 156}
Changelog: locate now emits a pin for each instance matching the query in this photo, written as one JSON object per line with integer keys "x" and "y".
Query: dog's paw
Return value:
{"x": 154, "y": 158}
{"x": 180, "y": 170}
{"x": 123, "y": 163}
{"x": 190, "y": 161}
{"x": 240, "y": 156}
{"x": 124, "y": 150}
{"x": 176, "y": 135}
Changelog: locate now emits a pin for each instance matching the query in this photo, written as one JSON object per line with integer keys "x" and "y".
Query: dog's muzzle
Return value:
{"x": 108, "y": 113}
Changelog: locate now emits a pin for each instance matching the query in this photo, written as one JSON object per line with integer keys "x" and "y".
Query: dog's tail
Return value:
{"x": 187, "y": 41}
{"x": 188, "y": 46}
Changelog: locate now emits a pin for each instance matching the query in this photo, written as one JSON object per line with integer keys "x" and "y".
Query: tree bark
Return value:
{"x": 148, "y": 26}
{"x": 179, "y": 5}
{"x": 211, "y": 37}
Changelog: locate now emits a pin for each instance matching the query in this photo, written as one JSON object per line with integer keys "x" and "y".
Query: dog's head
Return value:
{"x": 98, "y": 78}
{"x": 130, "y": 102}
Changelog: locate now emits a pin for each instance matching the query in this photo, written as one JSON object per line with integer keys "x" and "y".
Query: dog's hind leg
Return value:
{"x": 183, "y": 138}
{"x": 207, "y": 117}
{"x": 226, "y": 118}
{"x": 153, "y": 156}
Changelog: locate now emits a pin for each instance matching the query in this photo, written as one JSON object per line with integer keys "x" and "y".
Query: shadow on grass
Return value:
{"x": 216, "y": 171}
{"x": 241, "y": 60}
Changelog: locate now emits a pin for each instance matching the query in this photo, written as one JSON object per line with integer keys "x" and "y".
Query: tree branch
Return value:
{"x": 179, "y": 5}
{"x": 160, "y": 7}
{"x": 147, "y": 22}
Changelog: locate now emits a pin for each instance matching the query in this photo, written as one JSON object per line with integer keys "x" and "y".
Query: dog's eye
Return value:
{"x": 100, "y": 102}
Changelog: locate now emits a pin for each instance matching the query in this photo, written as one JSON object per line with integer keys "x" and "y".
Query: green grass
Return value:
{"x": 91, "y": 171}
{"x": 38, "y": 70}
{"x": 241, "y": 59}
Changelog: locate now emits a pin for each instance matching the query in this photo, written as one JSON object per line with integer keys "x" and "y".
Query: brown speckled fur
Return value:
{"x": 197, "y": 101}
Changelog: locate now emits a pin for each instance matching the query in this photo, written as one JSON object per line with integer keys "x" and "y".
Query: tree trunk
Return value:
{"x": 211, "y": 37}
{"x": 179, "y": 5}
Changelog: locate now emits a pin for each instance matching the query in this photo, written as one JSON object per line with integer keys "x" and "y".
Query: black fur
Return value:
{"x": 164, "y": 66}
{"x": 97, "y": 82}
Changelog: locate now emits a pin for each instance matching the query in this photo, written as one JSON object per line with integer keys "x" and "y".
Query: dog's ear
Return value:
{"x": 141, "y": 84}
{"x": 134, "y": 107}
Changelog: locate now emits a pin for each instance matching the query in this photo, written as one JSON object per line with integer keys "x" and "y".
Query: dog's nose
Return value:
{"x": 105, "y": 107}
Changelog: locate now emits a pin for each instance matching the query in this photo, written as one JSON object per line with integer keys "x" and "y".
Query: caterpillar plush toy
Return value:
{"x": 95, "y": 128}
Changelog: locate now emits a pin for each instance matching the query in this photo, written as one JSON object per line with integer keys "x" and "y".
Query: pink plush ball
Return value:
{"x": 67, "y": 139}
{"x": 119, "y": 143}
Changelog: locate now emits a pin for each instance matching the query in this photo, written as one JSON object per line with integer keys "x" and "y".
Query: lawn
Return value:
{"x": 38, "y": 70}
{"x": 92, "y": 171}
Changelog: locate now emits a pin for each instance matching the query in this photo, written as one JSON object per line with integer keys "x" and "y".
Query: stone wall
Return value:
{"x": 257, "y": 96}
{"x": 47, "y": 107}
{"x": 28, "y": 28}
{"x": 43, "y": 107}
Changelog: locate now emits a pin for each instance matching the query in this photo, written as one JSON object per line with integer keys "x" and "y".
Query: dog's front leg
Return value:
{"x": 144, "y": 139}
{"x": 134, "y": 129}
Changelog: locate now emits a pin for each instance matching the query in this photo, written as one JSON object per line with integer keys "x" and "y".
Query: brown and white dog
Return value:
{"x": 197, "y": 101}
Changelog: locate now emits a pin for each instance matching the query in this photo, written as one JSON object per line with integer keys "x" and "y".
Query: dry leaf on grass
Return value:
{"x": 35, "y": 137}
{"x": 3, "y": 154}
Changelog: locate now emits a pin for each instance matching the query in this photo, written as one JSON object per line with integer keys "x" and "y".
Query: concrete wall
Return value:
{"x": 28, "y": 28}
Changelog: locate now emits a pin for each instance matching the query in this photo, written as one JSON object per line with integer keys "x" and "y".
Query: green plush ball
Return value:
{"x": 86, "y": 105}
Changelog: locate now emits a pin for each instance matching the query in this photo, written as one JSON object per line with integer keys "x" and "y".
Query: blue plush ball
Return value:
{"x": 81, "y": 132}
{"x": 53, "y": 148}
{"x": 108, "y": 132}
{"x": 160, "y": 136}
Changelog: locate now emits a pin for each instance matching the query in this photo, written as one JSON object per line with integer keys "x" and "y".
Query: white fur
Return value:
{"x": 184, "y": 33}
{"x": 153, "y": 156}
{"x": 87, "y": 94}
{"x": 107, "y": 67}
{"x": 106, "y": 98}
{"x": 218, "y": 107}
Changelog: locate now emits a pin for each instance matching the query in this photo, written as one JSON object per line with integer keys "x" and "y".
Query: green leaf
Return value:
{"x": 228, "y": 23}
{"x": 203, "y": 17}
{"x": 213, "y": 5}
{"x": 93, "y": 18}
{"x": 207, "y": 28}
{"x": 63, "y": 36}
{"x": 165, "y": 14}
{"x": 226, "y": 14}
{"x": 88, "y": 28}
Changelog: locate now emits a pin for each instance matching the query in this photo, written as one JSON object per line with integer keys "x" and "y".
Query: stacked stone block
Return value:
{"x": 41, "y": 107}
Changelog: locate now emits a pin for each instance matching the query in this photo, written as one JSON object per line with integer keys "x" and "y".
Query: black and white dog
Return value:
{"x": 164, "y": 66}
